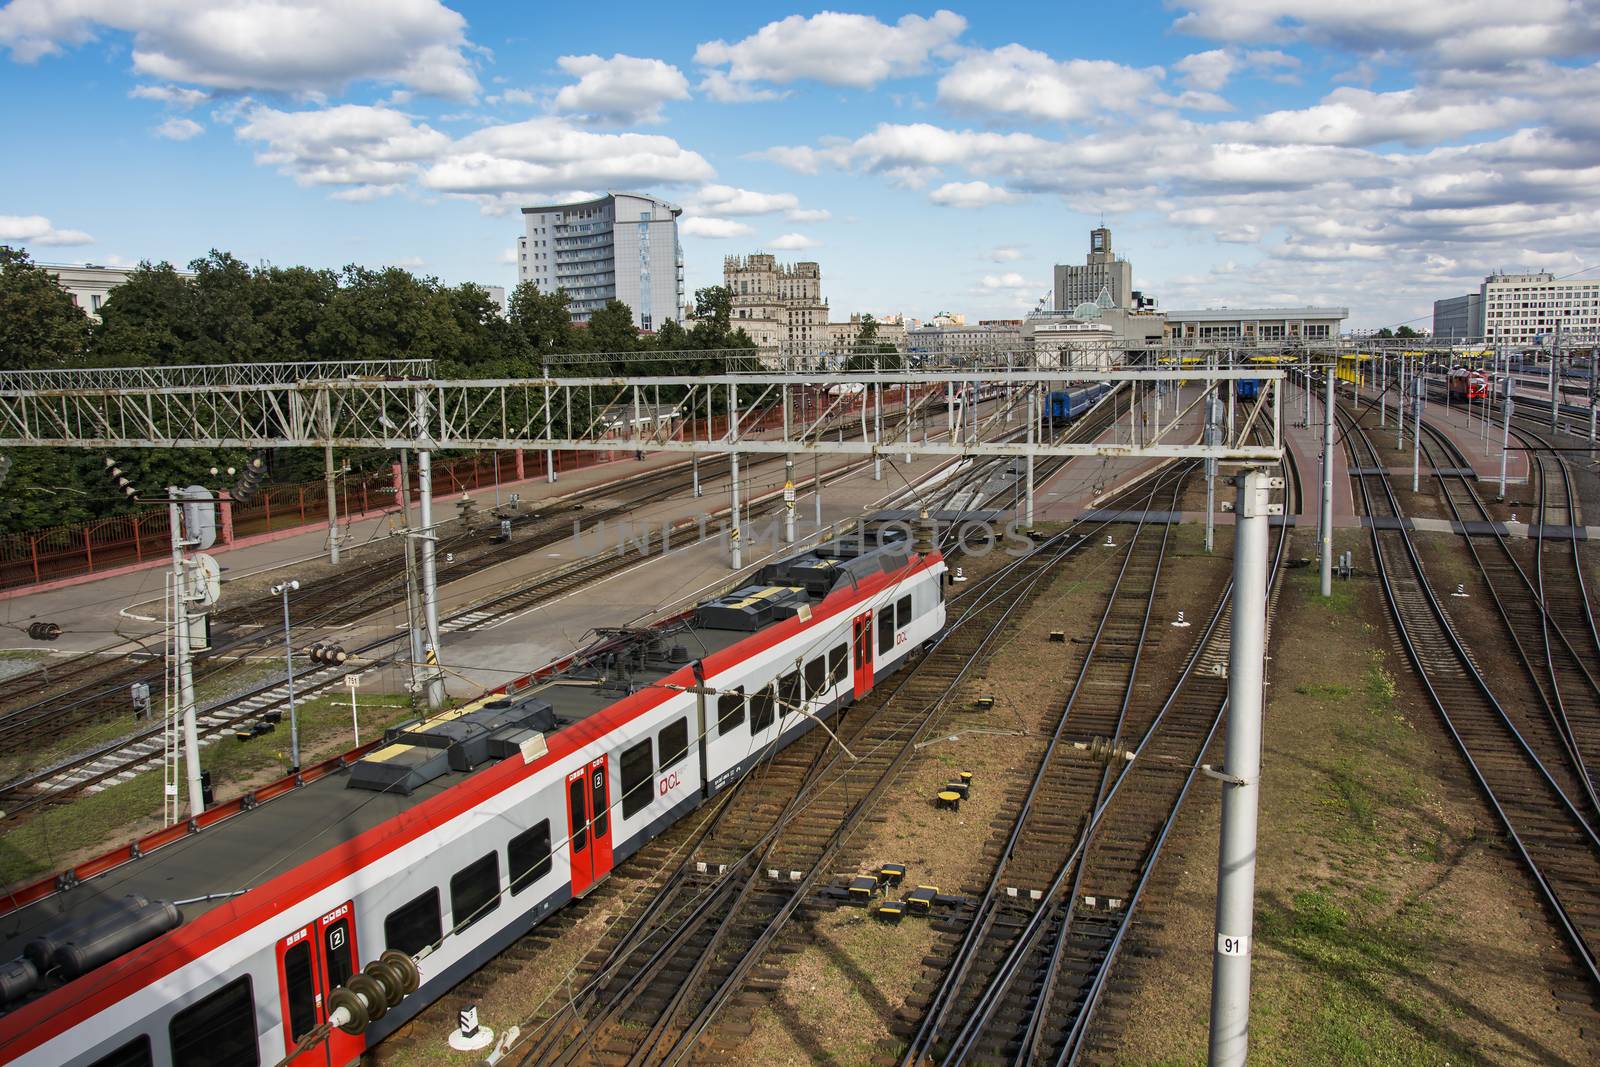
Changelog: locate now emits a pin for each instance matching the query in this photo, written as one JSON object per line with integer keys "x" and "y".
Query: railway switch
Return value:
{"x": 961, "y": 789}
{"x": 947, "y": 798}
{"x": 891, "y": 874}
{"x": 984, "y": 703}
{"x": 890, "y": 911}
{"x": 862, "y": 888}
{"x": 920, "y": 900}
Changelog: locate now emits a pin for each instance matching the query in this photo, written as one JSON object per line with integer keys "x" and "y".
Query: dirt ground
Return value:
{"x": 1393, "y": 926}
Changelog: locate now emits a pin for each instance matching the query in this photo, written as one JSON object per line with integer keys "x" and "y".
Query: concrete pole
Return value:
{"x": 1507, "y": 406}
{"x": 1593, "y": 349}
{"x": 288, "y": 666}
{"x": 788, "y": 500}
{"x": 1326, "y": 520}
{"x": 950, "y": 410}
{"x": 1033, "y": 425}
{"x": 694, "y": 472}
{"x": 1555, "y": 377}
{"x": 1399, "y": 407}
{"x": 877, "y": 431}
{"x": 905, "y": 410}
{"x": 816, "y": 484}
{"x": 737, "y": 560}
{"x": 1241, "y": 790}
{"x": 1416, "y": 433}
{"x": 550, "y": 431}
{"x": 413, "y": 603}
{"x": 180, "y": 652}
{"x": 1383, "y": 395}
{"x": 1306, "y": 422}
{"x": 1211, "y": 468}
{"x": 328, "y": 479}
{"x": 430, "y": 579}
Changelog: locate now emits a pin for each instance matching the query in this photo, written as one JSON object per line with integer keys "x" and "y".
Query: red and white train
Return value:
{"x": 452, "y": 837}
{"x": 1468, "y": 384}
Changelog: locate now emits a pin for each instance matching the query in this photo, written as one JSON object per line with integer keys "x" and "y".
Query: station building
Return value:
{"x": 1254, "y": 325}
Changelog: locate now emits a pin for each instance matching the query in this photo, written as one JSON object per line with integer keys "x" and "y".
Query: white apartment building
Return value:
{"x": 776, "y": 303}
{"x": 623, "y": 246}
{"x": 1519, "y": 309}
{"x": 965, "y": 342}
{"x": 89, "y": 284}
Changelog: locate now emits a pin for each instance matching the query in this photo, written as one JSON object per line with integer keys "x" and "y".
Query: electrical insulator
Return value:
{"x": 244, "y": 490}
{"x": 329, "y": 655}
{"x": 115, "y": 473}
{"x": 44, "y": 631}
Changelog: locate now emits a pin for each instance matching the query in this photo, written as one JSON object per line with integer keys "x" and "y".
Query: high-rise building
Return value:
{"x": 1519, "y": 309}
{"x": 623, "y": 246}
{"x": 1103, "y": 272}
{"x": 1459, "y": 317}
{"x": 776, "y": 303}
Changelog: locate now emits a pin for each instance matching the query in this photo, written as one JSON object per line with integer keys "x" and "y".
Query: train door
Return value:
{"x": 589, "y": 825}
{"x": 861, "y": 643}
{"x": 313, "y": 961}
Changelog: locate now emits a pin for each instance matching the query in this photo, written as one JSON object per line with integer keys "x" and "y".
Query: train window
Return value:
{"x": 336, "y": 950}
{"x": 902, "y": 612}
{"x": 886, "y": 629}
{"x": 475, "y": 890}
{"x": 219, "y": 1031}
{"x": 135, "y": 1053}
{"x": 528, "y": 856}
{"x": 638, "y": 778}
{"x": 301, "y": 984}
{"x": 788, "y": 693}
{"x": 761, "y": 709}
{"x": 941, "y": 592}
{"x": 816, "y": 676}
{"x": 412, "y": 927}
{"x": 674, "y": 741}
{"x": 836, "y": 668}
{"x": 600, "y": 804}
{"x": 730, "y": 711}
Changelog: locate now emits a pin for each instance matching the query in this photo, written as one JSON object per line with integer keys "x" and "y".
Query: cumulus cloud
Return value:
{"x": 179, "y": 129}
{"x": 172, "y": 95}
{"x": 792, "y": 242}
{"x": 351, "y": 144}
{"x": 1015, "y": 80}
{"x": 1477, "y": 33}
{"x": 37, "y": 230}
{"x": 808, "y": 214}
{"x": 728, "y": 200}
{"x": 1350, "y": 116}
{"x": 298, "y": 46}
{"x": 623, "y": 89}
{"x": 971, "y": 194}
{"x": 854, "y": 51}
{"x": 1005, "y": 254}
{"x": 1207, "y": 70}
{"x": 702, "y": 226}
{"x": 510, "y": 96}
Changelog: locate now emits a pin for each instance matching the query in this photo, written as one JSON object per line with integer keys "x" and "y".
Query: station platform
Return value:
{"x": 1305, "y": 443}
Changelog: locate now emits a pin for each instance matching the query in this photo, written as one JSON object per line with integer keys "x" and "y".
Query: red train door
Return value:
{"x": 861, "y": 641}
{"x": 313, "y": 961}
{"x": 589, "y": 825}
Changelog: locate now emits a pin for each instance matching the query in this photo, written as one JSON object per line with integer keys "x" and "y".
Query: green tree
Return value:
{"x": 1406, "y": 331}
{"x": 611, "y": 329}
{"x": 40, "y": 326}
{"x": 148, "y": 320}
{"x": 542, "y": 322}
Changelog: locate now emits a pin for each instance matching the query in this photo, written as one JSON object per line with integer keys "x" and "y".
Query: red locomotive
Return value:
{"x": 1468, "y": 384}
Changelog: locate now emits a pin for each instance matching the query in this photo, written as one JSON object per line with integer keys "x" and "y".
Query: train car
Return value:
{"x": 455, "y": 834}
{"x": 1066, "y": 405}
{"x": 1468, "y": 384}
{"x": 1247, "y": 388}
{"x": 965, "y": 392}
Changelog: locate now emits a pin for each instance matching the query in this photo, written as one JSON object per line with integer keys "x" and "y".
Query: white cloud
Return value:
{"x": 1005, "y": 254}
{"x": 545, "y": 157}
{"x": 507, "y": 255}
{"x": 510, "y": 96}
{"x": 791, "y": 242}
{"x": 728, "y": 200}
{"x": 1351, "y": 116}
{"x": 724, "y": 90}
{"x": 170, "y": 94}
{"x": 623, "y": 89}
{"x": 1009, "y": 280}
{"x": 799, "y": 158}
{"x": 179, "y": 129}
{"x": 408, "y": 262}
{"x": 298, "y": 46}
{"x": 701, "y": 226}
{"x": 1207, "y": 70}
{"x": 1477, "y": 33}
{"x": 808, "y": 214}
{"x": 971, "y": 194}
{"x": 37, "y": 230}
{"x": 855, "y": 51}
{"x": 351, "y": 144}
{"x": 1016, "y": 80}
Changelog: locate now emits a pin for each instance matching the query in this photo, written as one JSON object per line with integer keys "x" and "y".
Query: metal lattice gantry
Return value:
{"x": 210, "y": 375}
{"x": 711, "y": 413}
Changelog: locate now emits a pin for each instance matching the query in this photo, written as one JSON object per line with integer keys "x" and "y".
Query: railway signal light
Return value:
{"x": 44, "y": 631}
{"x": 121, "y": 480}
{"x": 327, "y": 655}
{"x": 244, "y": 490}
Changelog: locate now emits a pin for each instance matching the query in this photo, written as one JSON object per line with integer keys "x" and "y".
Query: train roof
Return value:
{"x": 224, "y": 860}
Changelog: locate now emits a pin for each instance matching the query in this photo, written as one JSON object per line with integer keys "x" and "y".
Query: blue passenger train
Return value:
{"x": 1066, "y": 405}
{"x": 1247, "y": 388}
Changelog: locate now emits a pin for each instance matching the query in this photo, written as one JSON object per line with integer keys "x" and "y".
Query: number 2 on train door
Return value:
{"x": 589, "y": 825}
{"x": 313, "y": 961}
{"x": 861, "y": 642}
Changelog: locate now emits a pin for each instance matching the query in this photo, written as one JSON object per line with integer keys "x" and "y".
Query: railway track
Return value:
{"x": 1564, "y": 715}
{"x": 1022, "y": 974}
{"x": 1556, "y": 843}
{"x": 656, "y": 984}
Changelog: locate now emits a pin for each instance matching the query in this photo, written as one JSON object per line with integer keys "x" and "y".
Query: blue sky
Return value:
{"x": 1375, "y": 153}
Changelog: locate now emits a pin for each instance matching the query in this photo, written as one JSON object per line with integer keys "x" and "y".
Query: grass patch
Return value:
{"x": 102, "y": 820}
{"x": 1323, "y": 690}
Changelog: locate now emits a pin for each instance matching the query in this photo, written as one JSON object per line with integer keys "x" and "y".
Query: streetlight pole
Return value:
{"x": 283, "y": 589}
